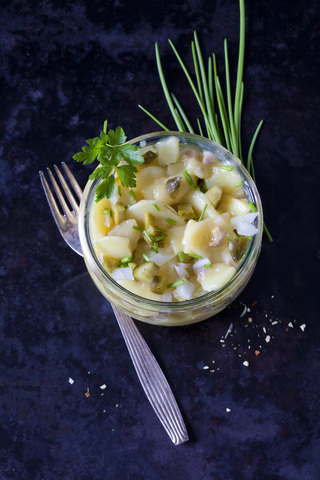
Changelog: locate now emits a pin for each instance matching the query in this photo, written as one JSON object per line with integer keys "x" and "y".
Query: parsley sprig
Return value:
{"x": 114, "y": 157}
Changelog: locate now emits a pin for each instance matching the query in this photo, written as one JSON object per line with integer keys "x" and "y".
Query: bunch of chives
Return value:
{"x": 221, "y": 118}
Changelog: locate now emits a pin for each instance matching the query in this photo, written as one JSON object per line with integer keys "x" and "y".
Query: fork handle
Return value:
{"x": 152, "y": 379}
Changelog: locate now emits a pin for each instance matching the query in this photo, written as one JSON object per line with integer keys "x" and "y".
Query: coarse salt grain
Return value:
{"x": 246, "y": 363}
{"x": 303, "y": 326}
{"x": 71, "y": 381}
{"x": 290, "y": 325}
{"x": 103, "y": 386}
{"x": 206, "y": 367}
{"x": 228, "y": 410}
{"x": 268, "y": 338}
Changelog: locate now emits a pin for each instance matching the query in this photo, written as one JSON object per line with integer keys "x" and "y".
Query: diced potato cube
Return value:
{"x": 125, "y": 229}
{"x": 175, "y": 236}
{"x": 114, "y": 247}
{"x": 160, "y": 210}
{"x": 168, "y": 151}
{"x": 198, "y": 200}
{"x": 234, "y": 206}
{"x": 197, "y": 237}
{"x": 216, "y": 277}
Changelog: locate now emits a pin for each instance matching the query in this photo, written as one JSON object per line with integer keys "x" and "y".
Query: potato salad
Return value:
{"x": 182, "y": 231}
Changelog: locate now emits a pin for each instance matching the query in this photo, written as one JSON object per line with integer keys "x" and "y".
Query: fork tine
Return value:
{"x": 60, "y": 196}
{"x": 73, "y": 181}
{"x": 67, "y": 190}
{"x": 51, "y": 200}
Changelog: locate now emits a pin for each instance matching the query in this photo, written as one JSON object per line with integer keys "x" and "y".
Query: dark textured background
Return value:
{"x": 66, "y": 66}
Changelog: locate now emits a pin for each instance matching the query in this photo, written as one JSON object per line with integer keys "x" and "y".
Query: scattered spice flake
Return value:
{"x": 250, "y": 319}
{"x": 257, "y": 352}
{"x": 71, "y": 381}
{"x": 103, "y": 386}
{"x": 87, "y": 394}
{"x": 268, "y": 338}
{"x": 254, "y": 303}
{"x": 246, "y": 363}
{"x": 303, "y": 326}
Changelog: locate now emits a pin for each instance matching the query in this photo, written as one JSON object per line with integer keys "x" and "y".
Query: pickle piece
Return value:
{"x": 173, "y": 185}
{"x": 149, "y": 220}
{"x": 149, "y": 157}
{"x": 186, "y": 212}
{"x": 145, "y": 272}
{"x": 237, "y": 247}
{"x": 158, "y": 284}
{"x": 214, "y": 194}
{"x": 118, "y": 214}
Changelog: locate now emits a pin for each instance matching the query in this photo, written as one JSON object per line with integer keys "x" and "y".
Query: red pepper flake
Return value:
{"x": 87, "y": 394}
{"x": 254, "y": 303}
{"x": 250, "y": 319}
{"x": 257, "y": 352}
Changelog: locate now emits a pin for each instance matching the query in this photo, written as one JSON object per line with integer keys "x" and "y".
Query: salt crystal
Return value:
{"x": 206, "y": 367}
{"x": 303, "y": 326}
{"x": 71, "y": 381}
{"x": 290, "y": 325}
{"x": 246, "y": 363}
{"x": 103, "y": 386}
{"x": 268, "y": 338}
{"x": 228, "y": 410}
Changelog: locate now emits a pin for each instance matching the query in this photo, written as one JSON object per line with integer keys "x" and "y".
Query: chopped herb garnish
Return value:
{"x": 207, "y": 265}
{"x": 161, "y": 237}
{"x": 203, "y": 212}
{"x": 132, "y": 195}
{"x": 135, "y": 227}
{"x": 188, "y": 177}
{"x": 147, "y": 234}
{"x": 229, "y": 238}
{"x": 107, "y": 211}
{"x": 156, "y": 207}
{"x": 229, "y": 168}
{"x": 181, "y": 256}
{"x": 176, "y": 284}
{"x": 109, "y": 150}
{"x": 193, "y": 255}
{"x": 146, "y": 257}
{"x": 119, "y": 190}
{"x": 239, "y": 184}
{"x": 154, "y": 247}
{"x": 170, "y": 220}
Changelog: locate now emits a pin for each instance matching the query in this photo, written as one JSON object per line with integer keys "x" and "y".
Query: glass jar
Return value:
{"x": 180, "y": 312}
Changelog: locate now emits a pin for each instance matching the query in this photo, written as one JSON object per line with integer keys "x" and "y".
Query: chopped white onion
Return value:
{"x": 182, "y": 270}
{"x": 115, "y": 196}
{"x": 107, "y": 221}
{"x": 243, "y": 224}
{"x": 122, "y": 274}
{"x": 186, "y": 290}
{"x": 167, "y": 297}
{"x": 199, "y": 264}
{"x": 160, "y": 258}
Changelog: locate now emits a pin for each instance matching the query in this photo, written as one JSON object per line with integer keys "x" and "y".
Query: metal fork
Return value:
{"x": 148, "y": 370}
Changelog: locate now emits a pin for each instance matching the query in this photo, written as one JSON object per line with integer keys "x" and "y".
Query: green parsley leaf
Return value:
{"x": 126, "y": 175}
{"x": 110, "y": 150}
